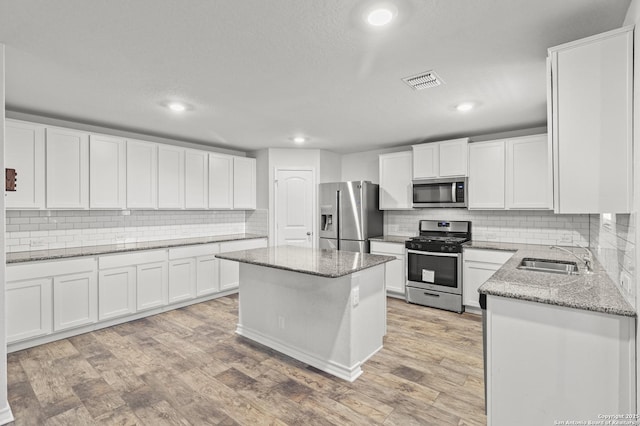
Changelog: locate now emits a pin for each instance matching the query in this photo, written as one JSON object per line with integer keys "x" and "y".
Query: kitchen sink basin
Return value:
{"x": 547, "y": 265}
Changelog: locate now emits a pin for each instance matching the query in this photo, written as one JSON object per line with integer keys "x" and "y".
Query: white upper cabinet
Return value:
{"x": 440, "y": 159}
{"x": 170, "y": 177}
{"x": 24, "y": 152}
{"x": 196, "y": 179}
{"x": 220, "y": 181}
{"x": 396, "y": 190}
{"x": 591, "y": 94}
{"x": 142, "y": 175}
{"x": 486, "y": 175}
{"x": 67, "y": 165}
{"x": 244, "y": 183}
{"x": 529, "y": 179}
{"x": 107, "y": 172}
{"x": 511, "y": 174}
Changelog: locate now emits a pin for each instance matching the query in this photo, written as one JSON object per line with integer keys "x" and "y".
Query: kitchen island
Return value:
{"x": 558, "y": 347}
{"x": 326, "y": 308}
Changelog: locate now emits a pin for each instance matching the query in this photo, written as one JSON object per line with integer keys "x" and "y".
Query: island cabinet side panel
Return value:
{"x": 369, "y": 306}
{"x": 304, "y": 316}
{"x": 547, "y": 363}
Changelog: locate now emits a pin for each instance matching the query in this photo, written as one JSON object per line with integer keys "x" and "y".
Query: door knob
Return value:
{"x": 309, "y": 233}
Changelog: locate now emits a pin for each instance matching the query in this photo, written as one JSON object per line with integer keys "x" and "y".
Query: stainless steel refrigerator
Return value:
{"x": 349, "y": 215}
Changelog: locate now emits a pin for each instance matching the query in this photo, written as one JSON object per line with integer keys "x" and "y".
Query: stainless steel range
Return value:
{"x": 434, "y": 264}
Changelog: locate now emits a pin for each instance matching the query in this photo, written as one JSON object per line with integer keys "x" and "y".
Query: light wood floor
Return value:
{"x": 188, "y": 367}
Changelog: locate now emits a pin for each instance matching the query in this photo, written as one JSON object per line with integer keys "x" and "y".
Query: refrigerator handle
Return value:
{"x": 338, "y": 214}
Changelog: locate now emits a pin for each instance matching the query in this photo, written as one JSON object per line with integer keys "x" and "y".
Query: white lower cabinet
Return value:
{"x": 85, "y": 293}
{"x": 28, "y": 309}
{"x": 479, "y": 266}
{"x": 229, "y": 270}
{"x": 151, "y": 285}
{"x": 395, "y": 275}
{"x": 182, "y": 280}
{"x": 116, "y": 292}
{"x": 75, "y": 300}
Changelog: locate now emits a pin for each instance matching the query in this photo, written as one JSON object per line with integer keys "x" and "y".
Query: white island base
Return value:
{"x": 332, "y": 324}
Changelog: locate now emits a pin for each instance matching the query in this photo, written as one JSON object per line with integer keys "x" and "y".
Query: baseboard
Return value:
{"x": 6, "y": 416}
{"x": 342, "y": 371}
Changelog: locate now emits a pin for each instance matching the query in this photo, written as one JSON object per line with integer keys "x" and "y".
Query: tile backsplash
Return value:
{"x": 613, "y": 241}
{"x": 533, "y": 227}
{"x": 51, "y": 229}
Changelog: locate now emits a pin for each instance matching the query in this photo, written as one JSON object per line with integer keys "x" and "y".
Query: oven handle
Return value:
{"x": 431, "y": 294}
{"x": 433, "y": 253}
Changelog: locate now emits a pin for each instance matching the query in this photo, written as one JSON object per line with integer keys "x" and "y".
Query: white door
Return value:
{"x": 170, "y": 177}
{"x": 107, "y": 173}
{"x": 75, "y": 300}
{"x": 295, "y": 207}
{"x": 24, "y": 151}
{"x": 142, "y": 175}
{"x": 196, "y": 179}
{"x": 67, "y": 169}
{"x": 116, "y": 292}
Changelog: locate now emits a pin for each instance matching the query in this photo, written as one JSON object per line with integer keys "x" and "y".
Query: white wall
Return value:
{"x": 262, "y": 178}
{"x": 330, "y": 166}
{"x": 633, "y": 18}
{"x": 364, "y": 165}
{"x": 5, "y": 411}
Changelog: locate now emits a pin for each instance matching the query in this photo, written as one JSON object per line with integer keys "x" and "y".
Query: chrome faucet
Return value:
{"x": 587, "y": 258}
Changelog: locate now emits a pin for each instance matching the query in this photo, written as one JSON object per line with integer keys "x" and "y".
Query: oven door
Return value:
{"x": 435, "y": 271}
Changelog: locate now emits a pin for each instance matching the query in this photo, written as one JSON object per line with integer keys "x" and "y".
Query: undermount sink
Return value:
{"x": 547, "y": 265}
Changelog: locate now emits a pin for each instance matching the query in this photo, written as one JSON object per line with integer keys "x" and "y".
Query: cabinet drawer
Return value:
{"x": 488, "y": 256}
{"x": 31, "y": 270}
{"x": 193, "y": 251}
{"x": 131, "y": 258}
{"x": 390, "y": 248}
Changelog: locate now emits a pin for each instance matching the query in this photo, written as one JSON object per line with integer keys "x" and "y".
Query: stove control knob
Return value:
{"x": 442, "y": 248}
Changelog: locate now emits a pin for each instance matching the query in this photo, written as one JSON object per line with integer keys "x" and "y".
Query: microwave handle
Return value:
{"x": 453, "y": 192}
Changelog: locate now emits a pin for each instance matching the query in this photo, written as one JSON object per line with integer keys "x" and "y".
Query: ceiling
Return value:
{"x": 255, "y": 73}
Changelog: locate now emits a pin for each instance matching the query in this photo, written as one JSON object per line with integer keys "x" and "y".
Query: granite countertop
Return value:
{"x": 593, "y": 292}
{"x": 31, "y": 256}
{"x": 324, "y": 263}
{"x": 399, "y": 239}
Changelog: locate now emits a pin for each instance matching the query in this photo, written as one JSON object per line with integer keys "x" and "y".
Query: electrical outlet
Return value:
{"x": 355, "y": 296}
{"x": 566, "y": 239}
{"x": 36, "y": 243}
{"x": 625, "y": 282}
{"x": 492, "y": 236}
{"x": 280, "y": 322}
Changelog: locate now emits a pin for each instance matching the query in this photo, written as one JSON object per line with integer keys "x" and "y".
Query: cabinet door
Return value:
{"x": 244, "y": 183}
{"x": 151, "y": 285}
{"x": 486, "y": 175}
{"x": 453, "y": 157}
{"x": 474, "y": 275}
{"x": 426, "y": 162}
{"x": 67, "y": 164}
{"x": 116, "y": 292}
{"x": 528, "y": 180}
{"x": 207, "y": 275}
{"x": 220, "y": 181}
{"x": 142, "y": 175}
{"x": 230, "y": 270}
{"x": 28, "y": 305}
{"x": 170, "y": 177}
{"x": 182, "y": 280}
{"x": 592, "y": 97}
{"x": 24, "y": 152}
{"x": 75, "y": 300}
{"x": 396, "y": 188}
{"x": 107, "y": 172}
{"x": 196, "y": 179}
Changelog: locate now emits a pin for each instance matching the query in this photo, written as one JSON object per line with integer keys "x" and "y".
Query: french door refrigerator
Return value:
{"x": 349, "y": 215}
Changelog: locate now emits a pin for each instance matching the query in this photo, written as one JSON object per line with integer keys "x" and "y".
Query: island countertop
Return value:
{"x": 320, "y": 262}
{"x": 592, "y": 292}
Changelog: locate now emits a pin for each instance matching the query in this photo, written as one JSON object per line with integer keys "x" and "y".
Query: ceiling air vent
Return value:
{"x": 423, "y": 80}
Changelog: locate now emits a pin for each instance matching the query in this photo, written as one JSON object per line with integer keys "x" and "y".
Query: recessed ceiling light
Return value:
{"x": 465, "y": 106}
{"x": 379, "y": 17}
{"x": 177, "y": 107}
{"x": 299, "y": 139}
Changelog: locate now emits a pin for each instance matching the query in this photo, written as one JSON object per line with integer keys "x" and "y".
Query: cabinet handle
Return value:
{"x": 431, "y": 294}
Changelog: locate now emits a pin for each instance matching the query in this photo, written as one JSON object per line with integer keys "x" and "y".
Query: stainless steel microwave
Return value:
{"x": 450, "y": 192}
